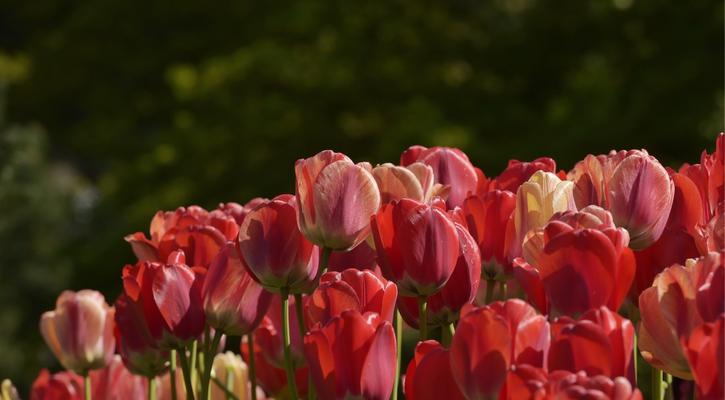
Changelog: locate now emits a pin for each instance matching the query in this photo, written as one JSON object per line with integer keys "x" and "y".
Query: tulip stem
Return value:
{"x": 669, "y": 390}
{"x": 635, "y": 350}
{"x": 656, "y": 384}
{"x": 447, "y": 332}
{"x": 398, "y": 353}
{"x": 324, "y": 260}
{"x": 152, "y": 388}
{"x": 87, "y": 385}
{"x": 301, "y": 325}
{"x": 252, "y": 371}
{"x": 490, "y": 284}
{"x": 291, "y": 383}
{"x": 172, "y": 373}
{"x": 504, "y": 291}
{"x": 227, "y": 391}
{"x": 230, "y": 385}
{"x": 185, "y": 369}
{"x": 423, "y": 317}
{"x": 192, "y": 364}
{"x": 208, "y": 360}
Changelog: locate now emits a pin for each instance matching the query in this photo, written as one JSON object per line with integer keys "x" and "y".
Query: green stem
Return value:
{"x": 220, "y": 385}
{"x": 504, "y": 291}
{"x": 656, "y": 384}
{"x": 300, "y": 316}
{"x": 490, "y": 284}
{"x": 634, "y": 359}
{"x": 447, "y": 332}
{"x": 291, "y": 383}
{"x": 669, "y": 390}
{"x": 423, "y": 317}
{"x": 324, "y": 260}
{"x": 208, "y": 360}
{"x": 152, "y": 388}
{"x": 185, "y": 369}
{"x": 252, "y": 371}
{"x": 193, "y": 366}
{"x": 172, "y": 373}
{"x": 230, "y": 384}
{"x": 399, "y": 351}
{"x": 87, "y": 385}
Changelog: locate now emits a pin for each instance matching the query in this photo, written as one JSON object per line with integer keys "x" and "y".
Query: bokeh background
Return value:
{"x": 111, "y": 110}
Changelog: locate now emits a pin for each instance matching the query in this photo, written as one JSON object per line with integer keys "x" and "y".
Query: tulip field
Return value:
{"x": 424, "y": 279}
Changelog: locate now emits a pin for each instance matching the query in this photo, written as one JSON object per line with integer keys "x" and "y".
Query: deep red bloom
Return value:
{"x": 518, "y": 172}
{"x": 363, "y": 256}
{"x": 709, "y": 177}
{"x": 429, "y": 374}
{"x": 451, "y": 167}
{"x": 528, "y": 329}
{"x": 445, "y": 305}
{"x": 135, "y": 344}
{"x": 234, "y": 303}
{"x": 115, "y": 382}
{"x": 705, "y": 351}
{"x": 487, "y": 218}
{"x": 417, "y": 246}
{"x": 352, "y": 355}
{"x": 335, "y": 199}
{"x": 350, "y": 289}
{"x": 59, "y": 386}
{"x": 273, "y": 248}
{"x": 170, "y": 296}
{"x": 601, "y": 343}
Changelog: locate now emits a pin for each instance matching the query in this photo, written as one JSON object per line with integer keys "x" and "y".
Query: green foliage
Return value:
{"x": 161, "y": 104}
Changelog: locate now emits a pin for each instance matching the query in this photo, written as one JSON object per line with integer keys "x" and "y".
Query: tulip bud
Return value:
{"x": 417, "y": 246}
{"x": 517, "y": 172}
{"x": 429, "y": 374}
{"x": 487, "y": 218}
{"x": 8, "y": 391}
{"x": 704, "y": 349}
{"x": 137, "y": 347}
{"x": 451, "y": 168}
{"x": 274, "y": 250}
{"x": 63, "y": 385}
{"x": 353, "y": 355}
{"x": 80, "y": 330}
{"x": 115, "y": 382}
{"x": 232, "y": 373}
{"x": 528, "y": 329}
{"x": 412, "y": 182}
{"x": 335, "y": 200}
{"x": 233, "y": 302}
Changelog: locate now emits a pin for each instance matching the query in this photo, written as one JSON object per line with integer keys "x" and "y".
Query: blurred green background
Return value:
{"x": 111, "y": 110}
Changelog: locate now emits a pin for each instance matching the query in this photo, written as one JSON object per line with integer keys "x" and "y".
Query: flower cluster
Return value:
{"x": 534, "y": 284}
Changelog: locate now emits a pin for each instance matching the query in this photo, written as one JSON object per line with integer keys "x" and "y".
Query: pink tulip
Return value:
{"x": 80, "y": 330}
{"x": 115, "y": 382}
{"x": 417, "y": 246}
{"x": 415, "y": 181}
{"x": 451, "y": 167}
{"x": 274, "y": 250}
{"x": 429, "y": 374}
{"x": 233, "y": 302}
{"x": 335, "y": 200}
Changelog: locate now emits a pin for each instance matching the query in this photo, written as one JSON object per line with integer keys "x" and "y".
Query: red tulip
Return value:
{"x": 137, "y": 347}
{"x": 429, "y": 374}
{"x": 268, "y": 335}
{"x": 233, "y": 302}
{"x": 238, "y": 211}
{"x": 80, "y": 330}
{"x": 709, "y": 176}
{"x": 445, "y": 305}
{"x": 198, "y": 233}
{"x": 518, "y": 172}
{"x": 487, "y": 217}
{"x": 529, "y": 279}
{"x": 669, "y": 311}
{"x": 352, "y": 355}
{"x": 705, "y": 351}
{"x": 415, "y": 181}
{"x": 115, "y": 382}
{"x": 363, "y": 256}
{"x": 59, "y": 386}
{"x": 272, "y": 379}
{"x": 417, "y": 246}
{"x": 528, "y": 330}
{"x": 350, "y": 290}
{"x": 451, "y": 167}
{"x": 274, "y": 250}
{"x": 481, "y": 353}
{"x": 710, "y": 281}
{"x": 170, "y": 296}
{"x": 526, "y": 382}
{"x": 335, "y": 200}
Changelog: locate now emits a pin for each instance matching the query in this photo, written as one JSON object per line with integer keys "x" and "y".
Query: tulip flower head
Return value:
{"x": 64, "y": 385}
{"x": 115, "y": 382}
{"x": 704, "y": 349}
{"x": 488, "y": 217}
{"x": 429, "y": 374}
{"x": 232, "y": 372}
{"x": 415, "y": 181}
{"x": 80, "y": 330}
{"x": 134, "y": 342}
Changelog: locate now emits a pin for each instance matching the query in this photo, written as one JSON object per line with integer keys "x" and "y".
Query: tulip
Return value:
{"x": 115, "y": 382}
{"x": 709, "y": 176}
{"x": 198, "y": 233}
{"x": 669, "y": 311}
{"x": 335, "y": 200}
{"x": 537, "y": 200}
{"x": 233, "y": 302}
{"x": 165, "y": 389}
{"x": 238, "y": 211}
{"x": 80, "y": 331}
{"x": 415, "y": 181}
{"x": 487, "y": 217}
{"x": 451, "y": 167}
{"x": 170, "y": 296}
{"x": 640, "y": 195}
{"x": 710, "y": 281}
{"x": 529, "y": 279}
{"x": 268, "y": 335}
{"x": 351, "y": 289}
{"x": 591, "y": 178}
{"x": 704, "y": 349}
{"x": 271, "y": 379}
{"x": 528, "y": 330}
{"x": 417, "y": 246}
{"x": 137, "y": 347}
{"x": 525, "y": 382}
{"x": 363, "y": 256}
{"x": 480, "y": 353}
{"x": 444, "y": 306}
{"x": 232, "y": 374}
{"x": 517, "y": 172}
{"x": 429, "y": 374}
{"x": 8, "y": 391}
{"x": 600, "y": 343}
{"x": 59, "y": 386}
{"x": 274, "y": 250}
{"x": 353, "y": 355}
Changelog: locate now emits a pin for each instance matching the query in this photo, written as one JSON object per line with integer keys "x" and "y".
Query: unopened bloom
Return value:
{"x": 115, "y": 382}
{"x": 517, "y": 172}
{"x": 429, "y": 374}
{"x": 488, "y": 217}
{"x": 704, "y": 349}
{"x": 80, "y": 330}
{"x": 232, "y": 373}
{"x": 415, "y": 181}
